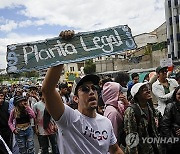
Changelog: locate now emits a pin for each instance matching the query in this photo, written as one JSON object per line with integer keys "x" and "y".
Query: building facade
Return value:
{"x": 172, "y": 13}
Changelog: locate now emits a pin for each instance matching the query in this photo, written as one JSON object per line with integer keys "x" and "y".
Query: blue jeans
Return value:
{"x": 25, "y": 141}
{"x": 44, "y": 141}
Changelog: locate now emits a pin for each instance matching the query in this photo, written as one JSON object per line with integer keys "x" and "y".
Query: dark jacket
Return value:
{"x": 5, "y": 131}
{"x": 170, "y": 123}
{"x": 145, "y": 128}
{"x": 171, "y": 120}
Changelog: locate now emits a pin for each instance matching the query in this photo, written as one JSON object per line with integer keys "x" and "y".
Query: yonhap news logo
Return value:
{"x": 132, "y": 140}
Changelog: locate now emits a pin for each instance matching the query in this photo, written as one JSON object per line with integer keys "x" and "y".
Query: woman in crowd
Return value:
{"x": 115, "y": 103}
{"x": 141, "y": 121}
{"x": 171, "y": 123}
{"x": 19, "y": 123}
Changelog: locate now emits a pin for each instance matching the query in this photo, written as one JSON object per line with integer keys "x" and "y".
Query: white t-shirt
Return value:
{"x": 79, "y": 134}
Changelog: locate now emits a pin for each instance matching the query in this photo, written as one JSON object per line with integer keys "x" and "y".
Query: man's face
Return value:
{"x": 18, "y": 92}
{"x": 136, "y": 79}
{"x": 87, "y": 96}
{"x": 178, "y": 95}
{"x": 144, "y": 93}
{"x": 1, "y": 98}
{"x": 163, "y": 73}
{"x": 22, "y": 104}
{"x": 5, "y": 90}
{"x": 63, "y": 91}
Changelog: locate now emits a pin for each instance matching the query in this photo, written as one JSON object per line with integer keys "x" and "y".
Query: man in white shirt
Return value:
{"x": 163, "y": 88}
{"x": 81, "y": 131}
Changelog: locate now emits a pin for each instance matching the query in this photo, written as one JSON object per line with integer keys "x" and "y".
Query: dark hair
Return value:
{"x": 40, "y": 94}
{"x": 18, "y": 99}
{"x": 134, "y": 75}
{"x": 145, "y": 77}
{"x": 174, "y": 94}
{"x": 1, "y": 90}
{"x": 106, "y": 79}
{"x": 122, "y": 76}
{"x": 177, "y": 75}
{"x": 63, "y": 85}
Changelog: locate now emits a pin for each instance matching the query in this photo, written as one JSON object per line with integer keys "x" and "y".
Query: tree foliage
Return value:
{"x": 90, "y": 67}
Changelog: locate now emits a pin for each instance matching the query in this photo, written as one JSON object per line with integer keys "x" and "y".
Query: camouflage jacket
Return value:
{"x": 141, "y": 131}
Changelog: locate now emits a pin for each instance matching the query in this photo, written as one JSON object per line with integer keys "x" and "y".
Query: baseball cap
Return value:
{"x": 90, "y": 77}
{"x": 18, "y": 99}
{"x": 158, "y": 69}
{"x": 136, "y": 87}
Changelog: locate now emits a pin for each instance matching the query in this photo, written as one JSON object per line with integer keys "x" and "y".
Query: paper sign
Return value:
{"x": 166, "y": 62}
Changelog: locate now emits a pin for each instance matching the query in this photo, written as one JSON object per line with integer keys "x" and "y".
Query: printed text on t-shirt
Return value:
{"x": 97, "y": 135}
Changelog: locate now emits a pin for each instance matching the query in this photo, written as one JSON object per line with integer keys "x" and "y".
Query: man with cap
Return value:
{"x": 163, "y": 88}
{"x": 141, "y": 121}
{"x": 83, "y": 130}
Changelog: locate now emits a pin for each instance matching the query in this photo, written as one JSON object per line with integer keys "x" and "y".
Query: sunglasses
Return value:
{"x": 86, "y": 89}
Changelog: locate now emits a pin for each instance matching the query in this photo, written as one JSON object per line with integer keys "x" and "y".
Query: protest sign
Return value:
{"x": 166, "y": 62}
{"x": 51, "y": 52}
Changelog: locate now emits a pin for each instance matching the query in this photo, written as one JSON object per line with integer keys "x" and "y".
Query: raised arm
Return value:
{"x": 52, "y": 98}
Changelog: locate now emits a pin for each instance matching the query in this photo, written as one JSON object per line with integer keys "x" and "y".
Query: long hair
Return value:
{"x": 174, "y": 94}
{"x": 18, "y": 110}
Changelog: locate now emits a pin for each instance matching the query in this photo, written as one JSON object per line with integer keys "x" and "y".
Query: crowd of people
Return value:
{"x": 77, "y": 119}
{"x": 94, "y": 115}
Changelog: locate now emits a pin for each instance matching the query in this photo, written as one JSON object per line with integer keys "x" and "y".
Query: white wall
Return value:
{"x": 68, "y": 66}
{"x": 142, "y": 39}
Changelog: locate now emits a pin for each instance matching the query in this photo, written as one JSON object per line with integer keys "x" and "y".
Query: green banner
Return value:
{"x": 51, "y": 52}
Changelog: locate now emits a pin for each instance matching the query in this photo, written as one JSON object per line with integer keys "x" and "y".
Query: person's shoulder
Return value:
{"x": 172, "y": 80}
{"x": 110, "y": 108}
{"x": 5, "y": 104}
{"x": 170, "y": 108}
{"x": 156, "y": 83}
{"x": 38, "y": 104}
{"x": 130, "y": 83}
{"x": 104, "y": 120}
{"x": 68, "y": 109}
{"x": 170, "y": 105}
{"x": 129, "y": 110}
{"x": 101, "y": 117}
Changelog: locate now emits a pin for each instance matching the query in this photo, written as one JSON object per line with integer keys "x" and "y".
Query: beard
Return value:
{"x": 93, "y": 107}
